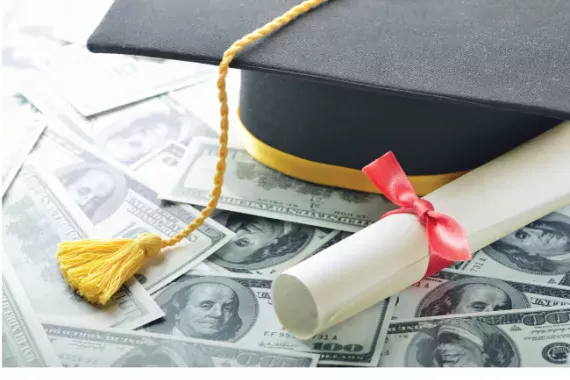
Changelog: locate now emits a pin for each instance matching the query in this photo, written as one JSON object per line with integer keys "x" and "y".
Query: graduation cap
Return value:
{"x": 447, "y": 87}
{"x": 329, "y": 86}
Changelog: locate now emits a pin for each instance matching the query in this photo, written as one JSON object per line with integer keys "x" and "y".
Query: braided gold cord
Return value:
{"x": 229, "y": 55}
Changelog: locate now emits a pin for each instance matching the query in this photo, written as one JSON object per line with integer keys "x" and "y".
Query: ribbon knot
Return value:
{"x": 447, "y": 239}
{"x": 421, "y": 208}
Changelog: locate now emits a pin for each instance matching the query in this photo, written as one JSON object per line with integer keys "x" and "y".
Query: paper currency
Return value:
{"x": 113, "y": 204}
{"x": 265, "y": 246}
{"x": 94, "y": 83}
{"x": 338, "y": 237}
{"x": 538, "y": 252}
{"x": 252, "y": 188}
{"x": 82, "y": 347}
{"x": 238, "y": 309}
{"x": 453, "y": 292}
{"x": 56, "y": 109}
{"x": 138, "y": 135}
{"x": 129, "y": 134}
{"x": 22, "y": 125}
{"x": 24, "y": 342}
{"x": 163, "y": 160}
{"x": 528, "y": 338}
{"x": 202, "y": 100}
{"x": 23, "y": 50}
{"x": 34, "y": 223}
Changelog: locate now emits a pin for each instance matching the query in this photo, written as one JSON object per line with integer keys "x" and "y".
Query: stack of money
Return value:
{"x": 98, "y": 146}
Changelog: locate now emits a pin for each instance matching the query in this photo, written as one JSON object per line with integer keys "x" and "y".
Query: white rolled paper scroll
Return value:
{"x": 388, "y": 256}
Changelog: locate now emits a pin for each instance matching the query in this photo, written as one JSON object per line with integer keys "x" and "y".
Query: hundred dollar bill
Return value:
{"x": 22, "y": 125}
{"x": 34, "y": 223}
{"x": 107, "y": 198}
{"x": 238, "y": 309}
{"x": 265, "y": 246}
{"x": 24, "y": 342}
{"x": 252, "y": 188}
{"x": 130, "y": 134}
{"x": 527, "y": 338}
{"x": 149, "y": 136}
{"x": 538, "y": 252}
{"x": 82, "y": 347}
{"x": 85, "y": 79}
{"x": 453, "y": 292}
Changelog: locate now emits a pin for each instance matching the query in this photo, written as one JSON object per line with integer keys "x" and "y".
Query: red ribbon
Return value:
{"x": 447, "y": 239}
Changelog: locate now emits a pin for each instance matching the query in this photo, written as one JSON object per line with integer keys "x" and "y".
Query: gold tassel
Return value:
{"x": 96, "y": 269}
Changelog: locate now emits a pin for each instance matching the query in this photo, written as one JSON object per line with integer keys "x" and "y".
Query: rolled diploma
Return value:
{"x": 390, "y": 255}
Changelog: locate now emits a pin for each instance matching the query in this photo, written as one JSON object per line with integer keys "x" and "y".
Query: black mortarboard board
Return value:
{"x": 445, "y": 85}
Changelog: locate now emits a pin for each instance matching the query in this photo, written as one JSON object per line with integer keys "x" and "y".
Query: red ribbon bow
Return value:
{"x": 447, "y": 239}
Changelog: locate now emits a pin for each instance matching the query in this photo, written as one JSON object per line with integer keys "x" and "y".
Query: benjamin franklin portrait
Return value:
{"x": 214, "y": 308}
{"x": 97, "y": 188}
{"x": 541, "y": 247}
{"x": 471, "y": 295}
{"x": 461, "y": 343}
{"x": 140, "y": 136}
{"x": 260, "y": 242}
{"x": 131, "y": 138}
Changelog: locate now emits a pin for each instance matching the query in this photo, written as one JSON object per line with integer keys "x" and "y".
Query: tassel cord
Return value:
{"x": 223, "y": 68}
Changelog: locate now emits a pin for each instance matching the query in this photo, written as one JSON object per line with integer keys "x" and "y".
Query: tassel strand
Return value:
{"x": 97, "y": 269}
